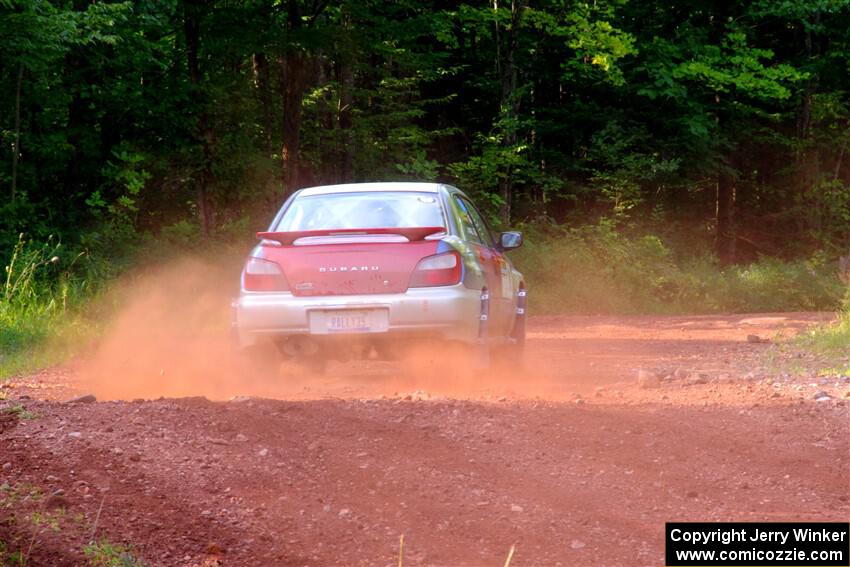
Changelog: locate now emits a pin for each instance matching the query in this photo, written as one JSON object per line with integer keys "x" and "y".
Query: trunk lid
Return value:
{"x": 347, "y": 264}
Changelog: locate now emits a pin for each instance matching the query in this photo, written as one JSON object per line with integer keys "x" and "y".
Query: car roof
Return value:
{"x": 376, "y": 187}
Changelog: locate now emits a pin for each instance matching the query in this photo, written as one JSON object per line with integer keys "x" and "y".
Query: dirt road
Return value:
{"x": 571, "y": 461}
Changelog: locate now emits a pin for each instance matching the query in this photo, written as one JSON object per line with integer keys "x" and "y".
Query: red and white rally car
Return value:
{"x": 363, "y": 269}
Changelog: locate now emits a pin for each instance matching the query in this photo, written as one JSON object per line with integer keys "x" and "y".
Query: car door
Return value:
{"x": 493, "y": 262}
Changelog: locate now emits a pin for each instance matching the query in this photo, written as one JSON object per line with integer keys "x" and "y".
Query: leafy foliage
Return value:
{"x": 126, "y": 117}
{"x": 598, "y": 270}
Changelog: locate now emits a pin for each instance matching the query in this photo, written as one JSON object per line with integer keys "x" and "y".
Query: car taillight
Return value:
{"x": 263, "y": 275}
{"x": 442, "y": 269}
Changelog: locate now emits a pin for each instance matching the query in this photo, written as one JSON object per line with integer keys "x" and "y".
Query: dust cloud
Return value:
{"x": 170, "y": 337}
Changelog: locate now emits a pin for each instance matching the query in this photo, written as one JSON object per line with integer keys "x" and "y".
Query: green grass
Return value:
{"x": 53, "y": 301}
{"x": 831, "y": 344}
{"x": 53, "y": 340}
{"x": 597, "y": 270}
{"x": 42, "y": 299}
{"x": 831, "y": 339}
{"x": 19, "y": 411}
{"x": 21, "y": 508}
{"x": 106, "y": 554}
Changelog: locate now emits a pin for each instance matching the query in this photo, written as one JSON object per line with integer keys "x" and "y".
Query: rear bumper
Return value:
{"x": 450, "y": 312}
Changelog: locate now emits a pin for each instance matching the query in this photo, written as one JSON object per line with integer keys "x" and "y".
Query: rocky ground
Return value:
{"x": 617, "y": 426}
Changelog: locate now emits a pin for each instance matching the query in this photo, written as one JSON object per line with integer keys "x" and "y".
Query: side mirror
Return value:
{"x": 510, "y": 240}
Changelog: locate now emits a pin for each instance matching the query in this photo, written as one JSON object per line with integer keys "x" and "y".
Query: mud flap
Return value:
{"x": 518, "y": 332}
{"x": 481, "y": 354}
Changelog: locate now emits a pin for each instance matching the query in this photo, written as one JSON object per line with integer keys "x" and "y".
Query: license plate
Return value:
{"x": 344, "y": 321}
{"x": 349, "y": 321}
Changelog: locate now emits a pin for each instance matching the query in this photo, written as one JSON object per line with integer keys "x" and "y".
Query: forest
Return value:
{"x": 641, "y": 136}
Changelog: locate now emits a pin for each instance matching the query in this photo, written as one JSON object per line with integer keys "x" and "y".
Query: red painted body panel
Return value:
{"x": 349, "y": 268}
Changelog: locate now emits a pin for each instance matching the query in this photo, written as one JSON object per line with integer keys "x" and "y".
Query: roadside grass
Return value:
{"x": 18, "y": 411}
{"x": 55, "y": 302}
{"x": 42, "y": 300}
{"x": 24, "y": 508}
{"x": 830, "y": 343}
{"x": 10, "y": 558}
{"x": 57, "y": 338}
{"x": 597, "y": 270}
{"x": 107, "y": 554}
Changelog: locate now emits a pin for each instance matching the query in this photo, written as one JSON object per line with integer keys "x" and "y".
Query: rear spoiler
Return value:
{"x": 412, "y": 233}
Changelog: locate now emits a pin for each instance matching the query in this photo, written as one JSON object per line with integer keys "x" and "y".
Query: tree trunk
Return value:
{"x": 509, "y": 104}
{"x": 346, "y": 100}
{"x": 808, "y": 155}
{"x": 191, "y": 27}
{"x": 724, "y": 243}
{"x": 838, "y": 161}
{"x": 293, "y": 84}
{"x": 16, "y": 146}
{"x": 295, "y": 66}
{"x": 264, "y": 96}
{"x": 78, "y": 122}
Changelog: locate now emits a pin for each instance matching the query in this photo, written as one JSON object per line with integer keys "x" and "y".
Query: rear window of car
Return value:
{"x": 374, "y": 209}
